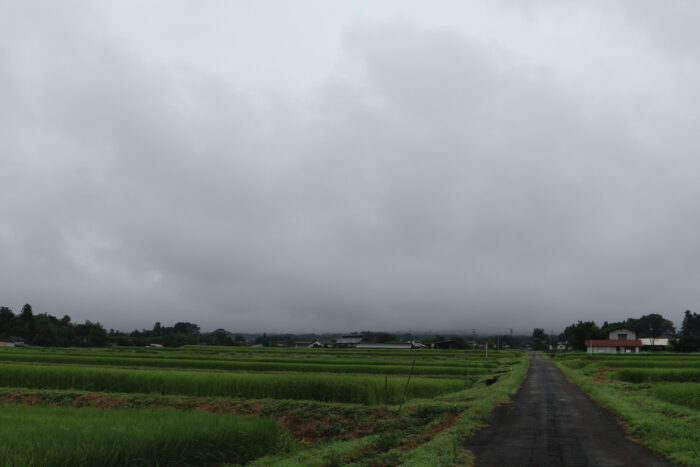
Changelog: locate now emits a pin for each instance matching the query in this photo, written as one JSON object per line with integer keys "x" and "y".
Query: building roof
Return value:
{"x": 350, "y": 339}
{"x": 392, "y": 345}
{"x": 614, "y": 343}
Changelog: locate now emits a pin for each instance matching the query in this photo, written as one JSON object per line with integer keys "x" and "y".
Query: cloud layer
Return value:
{"x": 428, "y": 175}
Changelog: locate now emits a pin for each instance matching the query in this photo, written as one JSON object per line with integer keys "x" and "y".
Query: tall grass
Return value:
{"x": 656, "y": 375}
{"x": 687, "y": 394}
{"x": 290, "y": 356}
{"x": 319, "y": 387}
{"x": 210, "y": 364}
{"x": 43, "y": 436}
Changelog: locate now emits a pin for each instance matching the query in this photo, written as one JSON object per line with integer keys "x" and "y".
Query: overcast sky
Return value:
{"x": 339, "y": 166}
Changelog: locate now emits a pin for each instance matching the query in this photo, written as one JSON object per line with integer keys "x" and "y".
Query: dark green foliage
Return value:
{"x": 577, "y": 334}
{"x": 540, "y": 340}
{"x": 691, "y": 324}
{"x": 47, "y": 330}
{"x": 651, "y": 325}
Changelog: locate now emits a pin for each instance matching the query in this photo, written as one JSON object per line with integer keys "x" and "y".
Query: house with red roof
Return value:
{"x": 618, "y": 341}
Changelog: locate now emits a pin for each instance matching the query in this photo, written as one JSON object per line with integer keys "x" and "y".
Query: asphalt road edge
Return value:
{"x": 619, "y": 418}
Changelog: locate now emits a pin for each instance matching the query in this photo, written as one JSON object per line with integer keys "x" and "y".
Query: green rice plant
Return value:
{"x": 59, "y": 436}
{"x": 319, "y": 387}
{"x": 111, "y": 356}
{"x": 656, "y": 375}
{"x": 687, "y": 394}
{"x": 652, "y": 364}
{"x": 152, "y": 362}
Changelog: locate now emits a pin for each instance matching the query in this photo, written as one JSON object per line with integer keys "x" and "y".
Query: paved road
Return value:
{"x": 551, "y": 422}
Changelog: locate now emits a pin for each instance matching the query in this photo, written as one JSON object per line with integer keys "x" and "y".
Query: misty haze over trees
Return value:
{"x": 47, "y": 330}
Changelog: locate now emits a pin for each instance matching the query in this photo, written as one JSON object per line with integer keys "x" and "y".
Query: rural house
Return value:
{"x": 308, "y": 344}
{"x": 618, "y": 341}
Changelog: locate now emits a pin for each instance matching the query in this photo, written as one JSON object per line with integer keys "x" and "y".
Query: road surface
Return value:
{"x": 551, "y": 422}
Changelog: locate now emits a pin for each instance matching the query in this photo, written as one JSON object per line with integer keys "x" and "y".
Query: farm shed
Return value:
{"x": 385, "y": 346}
{"x": 308, "y": 344}
{"x": 613, "y": 345}
{"x": 349, "y": 341}
{"x": 18, "y": 341}
{"x": 658, "y": 343}
{"x": 6, "y": 343}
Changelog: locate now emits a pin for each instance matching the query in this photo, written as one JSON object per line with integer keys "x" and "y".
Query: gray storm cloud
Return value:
{"x": 432, "y": 179}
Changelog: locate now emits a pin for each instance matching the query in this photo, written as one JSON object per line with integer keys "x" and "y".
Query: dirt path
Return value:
{"x": 551, "y": 422}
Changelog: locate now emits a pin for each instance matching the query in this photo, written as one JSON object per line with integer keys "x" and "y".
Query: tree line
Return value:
{"x": 47, "y": 330}
{"x": 648, "y": 326}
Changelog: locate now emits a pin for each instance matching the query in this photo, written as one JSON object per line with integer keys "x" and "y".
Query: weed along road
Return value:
{"x": 551, "y": 422}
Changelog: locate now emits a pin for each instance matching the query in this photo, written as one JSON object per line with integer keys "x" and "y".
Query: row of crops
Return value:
{"x": 209, "y": 405}
{"x": 658, "y": 395}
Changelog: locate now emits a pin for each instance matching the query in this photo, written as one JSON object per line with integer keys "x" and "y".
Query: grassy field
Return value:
{"x": 232, "y": 406}
{"x": 656, "y": 395}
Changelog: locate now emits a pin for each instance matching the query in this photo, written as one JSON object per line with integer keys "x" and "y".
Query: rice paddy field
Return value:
{"x": 208, "y": 405}
{"x": 657, "y": 396}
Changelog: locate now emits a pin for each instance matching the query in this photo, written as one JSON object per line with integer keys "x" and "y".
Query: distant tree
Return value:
{"x": 45, "y": 331}
{"x": 540, "y": 340}
{"x": 262, "y": 340}
{"x": 27, "y": 315}
{"x": 6, "y": 318}
{"x": 577, "y": 334}
{"x": 220, "y": 337}
{"x": 189, "y": 329}
{"x": 90, "y": 334}
{"x": 691, "y": 324}
{"x": 652, "y": 325}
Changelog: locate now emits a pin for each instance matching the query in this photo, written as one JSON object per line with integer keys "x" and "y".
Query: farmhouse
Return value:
{"x": 6, "y": 343}
{"x": 618, "y": 341}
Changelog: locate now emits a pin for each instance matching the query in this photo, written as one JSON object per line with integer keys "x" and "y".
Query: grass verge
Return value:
{"x": 668, "y": 429}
